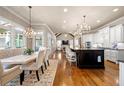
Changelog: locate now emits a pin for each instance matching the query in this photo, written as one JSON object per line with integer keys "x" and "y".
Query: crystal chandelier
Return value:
{"x": 29, "y": 32}
{"x": 78, "y": 31}
{"x": 85, "y": 28}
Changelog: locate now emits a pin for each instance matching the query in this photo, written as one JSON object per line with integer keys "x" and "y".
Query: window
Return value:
{"x": 19, "y": 41}
{"x": 11, "y": 34}
{"x": 38, "y": 42}
{"x": 5, "y": 40}
{"x": 10, "y": 39}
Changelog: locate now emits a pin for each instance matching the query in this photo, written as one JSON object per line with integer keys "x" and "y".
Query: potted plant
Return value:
{"x": 28, "y": 51}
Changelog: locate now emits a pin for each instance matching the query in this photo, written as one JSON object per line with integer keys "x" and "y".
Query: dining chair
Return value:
{"x": 47, "y": 56}
{"x": 7, "y": 75}
{"x": 34, "y": 66}
{"x": 71, "y": 56}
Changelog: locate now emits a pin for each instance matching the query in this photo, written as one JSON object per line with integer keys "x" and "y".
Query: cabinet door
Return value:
{"x": 121, "y": 74}
{"x": 113, "y": 55}
{"x": 107, "y": 55}
{"x": 95, "y": 38}
{"x": 101, "y": 36}
{"x": 119, "y": 33}
{"x": 106, "y": 37}
{"x": 112, "y": 35}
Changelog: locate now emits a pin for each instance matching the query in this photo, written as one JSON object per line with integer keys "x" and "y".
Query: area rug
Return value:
{"x": 46, "y": 79}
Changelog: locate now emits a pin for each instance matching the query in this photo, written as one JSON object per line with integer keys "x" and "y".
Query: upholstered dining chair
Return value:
{"x": 34, "y": 66}
{"x": 7, "y": 75}
{"x": 71, "y": 56}
{"x": 47, "y": 56}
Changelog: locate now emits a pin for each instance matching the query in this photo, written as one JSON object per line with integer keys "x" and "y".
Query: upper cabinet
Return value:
{"x": 116, "y": 34}
{"x": 107, "y": 36}
{"x": 87, "y": 38}
{"x": 119, "y": 33}
{"x": 112, "y": 34}
{"x": 102, "y": 37}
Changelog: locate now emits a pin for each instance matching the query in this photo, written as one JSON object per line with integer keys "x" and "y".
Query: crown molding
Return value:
{"x": 45, "y": 25}
{"x": 16, "y": 14}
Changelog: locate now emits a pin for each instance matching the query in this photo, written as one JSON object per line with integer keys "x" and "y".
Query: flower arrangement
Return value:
{"x": 28, "y": 51}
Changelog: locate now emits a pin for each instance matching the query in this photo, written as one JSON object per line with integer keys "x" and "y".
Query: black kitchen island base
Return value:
{"x": 90, "y": 58}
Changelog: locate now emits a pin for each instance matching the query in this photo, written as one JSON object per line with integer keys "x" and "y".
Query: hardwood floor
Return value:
{"x": 67, "y": 75}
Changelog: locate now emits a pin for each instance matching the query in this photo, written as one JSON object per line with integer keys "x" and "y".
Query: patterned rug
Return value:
{"x": 46, "y": 79}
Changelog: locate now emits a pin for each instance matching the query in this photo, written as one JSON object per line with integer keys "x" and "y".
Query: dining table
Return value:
{"x": 20, "y": 60}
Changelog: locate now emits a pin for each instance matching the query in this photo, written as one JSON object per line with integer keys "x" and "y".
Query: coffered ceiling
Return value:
{"x": 65, "y": 22}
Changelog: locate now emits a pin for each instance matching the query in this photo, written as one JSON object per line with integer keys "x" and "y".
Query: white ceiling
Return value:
{"x": 54, "y": 16}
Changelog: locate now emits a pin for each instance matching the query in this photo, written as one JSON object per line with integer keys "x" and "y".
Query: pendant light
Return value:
{"x": 29, "y": 32}
{"x": 85, "y": 28}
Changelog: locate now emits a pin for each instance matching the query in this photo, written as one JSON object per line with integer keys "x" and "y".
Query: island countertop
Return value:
{"x": 88, "y": 49}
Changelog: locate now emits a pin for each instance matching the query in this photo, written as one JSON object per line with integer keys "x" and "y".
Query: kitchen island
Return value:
{"x": 89, "y": 58}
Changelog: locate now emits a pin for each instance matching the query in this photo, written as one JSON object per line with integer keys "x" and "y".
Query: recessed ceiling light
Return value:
{"x": 65, "y": 10}
{"x": 65, "y": 35}
{"x": 64, "y": 21}
{"x": 98, "y": 21}
{"x": 115, "y": 10}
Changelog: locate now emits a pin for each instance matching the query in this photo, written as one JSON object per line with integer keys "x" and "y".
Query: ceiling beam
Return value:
{"x": 71, "y": 35}
{"x": 58, "y": 34}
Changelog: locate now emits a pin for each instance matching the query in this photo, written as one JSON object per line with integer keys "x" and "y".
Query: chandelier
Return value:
{"x": 85, "y": 28}
{"x": 78, "y": 31}
{"x": 82, "y": 28}
{"x": 29, "y": 32}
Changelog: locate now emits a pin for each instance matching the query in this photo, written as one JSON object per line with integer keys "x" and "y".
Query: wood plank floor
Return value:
{"x": 67, "y": 75}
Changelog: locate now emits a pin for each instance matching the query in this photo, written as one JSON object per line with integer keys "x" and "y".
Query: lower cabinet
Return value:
{"x": 107, "y": 54}
{"x": 111, "y": 55}
{"x": 121, "y": 74}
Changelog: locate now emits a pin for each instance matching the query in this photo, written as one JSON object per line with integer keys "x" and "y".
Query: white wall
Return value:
{"x": 47, "y": 35}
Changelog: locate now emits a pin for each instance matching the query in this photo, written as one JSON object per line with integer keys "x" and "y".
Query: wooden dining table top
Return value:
{"x": 20, "y": 59}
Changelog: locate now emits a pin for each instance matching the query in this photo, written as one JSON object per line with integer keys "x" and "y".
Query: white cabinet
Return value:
{"x": 116, "y": 34}
{"x": 95, "y": 38}
{"x": 87, "y": 38}
{"x": 119, "y": 33}
{"x": 121, "y": 74}
{"x": 106, "y": 38}
{"x": 102, "y": 37}
{"x": 121, "y": 67}
{"x": 111, "y": 55}
{"x": 106, "y": 54}
{"x": 112, "y": 35}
